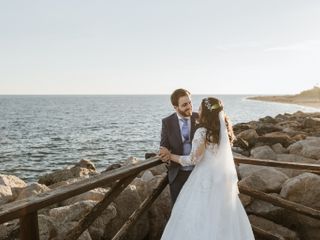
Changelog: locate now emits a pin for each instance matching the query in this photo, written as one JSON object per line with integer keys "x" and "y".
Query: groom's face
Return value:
{"x": 184, "y": 107}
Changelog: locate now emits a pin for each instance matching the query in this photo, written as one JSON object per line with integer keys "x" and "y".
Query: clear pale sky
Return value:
{"x": 153, "y": 47}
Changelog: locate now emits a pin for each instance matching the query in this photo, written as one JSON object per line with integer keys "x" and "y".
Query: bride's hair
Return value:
{"x": 209, "y": 119}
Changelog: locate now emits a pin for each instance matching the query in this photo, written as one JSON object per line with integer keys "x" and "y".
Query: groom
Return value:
{"x": 176, "y": 137}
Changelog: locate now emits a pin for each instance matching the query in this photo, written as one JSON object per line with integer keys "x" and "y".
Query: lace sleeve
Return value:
{"x": 197, "y": 150}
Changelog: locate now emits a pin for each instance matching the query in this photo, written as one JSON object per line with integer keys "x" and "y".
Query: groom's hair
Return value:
{"x": 178, "y": 93}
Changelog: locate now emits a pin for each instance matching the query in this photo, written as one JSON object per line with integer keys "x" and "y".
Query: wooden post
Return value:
{"x": 142, "y": 208}
{"x": 85, "y": 223}
{"x": 29, "y": 229}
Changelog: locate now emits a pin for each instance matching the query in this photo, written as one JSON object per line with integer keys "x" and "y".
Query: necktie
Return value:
{"x": 185, "y": 129}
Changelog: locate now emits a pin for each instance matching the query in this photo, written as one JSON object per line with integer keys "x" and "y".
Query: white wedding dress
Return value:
{"x": 208, "y": 206}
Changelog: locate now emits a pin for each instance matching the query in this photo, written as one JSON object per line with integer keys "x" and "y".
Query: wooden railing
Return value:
{"x": 27, "y": 209}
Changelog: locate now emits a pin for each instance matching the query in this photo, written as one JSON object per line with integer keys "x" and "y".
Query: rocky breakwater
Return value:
{"x": 55, "y": 221}
{"x": 290, "y": 138}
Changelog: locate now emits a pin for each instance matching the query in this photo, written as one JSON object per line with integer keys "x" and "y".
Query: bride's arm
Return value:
{"x": 197, "y": 151}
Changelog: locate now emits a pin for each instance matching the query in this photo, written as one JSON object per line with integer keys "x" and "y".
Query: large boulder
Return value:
{"x": 97, "y": 228}
{"x": 275, "y": 137}
{"x": 249, "y": 135}
{"x": 6, "y": 194}
{"x": 304, "y": 189}
{"x": 12, "y": 181}
{"x": 265, "y": 209}
{"x": 267, "y": 128}
{"x": 266, "y": 180}
{"x": 96, "y": 194}
{"x": 311, "y": 122}
{"x": 127, "y": 202}
{"x": 310, "y": 147}
{"x": 278, "y": 148}
{"x": 274, "y": 228}
{"x": 9, "y": 188}
{"x": 65, "y": 174}
{"x": 32, "y": 190}
{"x": 246, "y": 170}
{"x": 263, "y": 152}
{"x": 293, "y": 158}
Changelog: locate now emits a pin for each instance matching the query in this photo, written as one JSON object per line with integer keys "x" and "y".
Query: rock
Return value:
{"x": 265, "y": 209}
{"x": 32, "y": 190}
{"x": 239, "y": 142}
{"x": 65, "y": 174}
{"x": 159, "y": 169}
{"x": 268, "y": 119}
{"x": 263, "y": 152}
{"x": 12, "y": 181}
{"x": 310, "y": 148}
{"x": 304, "y": 189}
{"x": 9, "y": 230}
{"x": 237, "y": 128}
{"x": 9, "y": 187}
{"x": 6, "y": 194}
{"x": 84, "y": 163}
{"x": 267, "y": 128}
{"x": 74, "y": 212}
{"x": 68, "y": 226}
{"x": 147, "y": 176}
{"x": 289, "y": 124}
{"x": 245, "y": 199}
{"x": 266, "y": 180}
{"x": 47, "y": 229}
{"x": 275, "y": 137}
{"x": 97, "y": 229}
{"x": 112, "y": 167}
{"x": 278, "y": 148}
{"x": 246, "y": 170}
{"x": 311, "y": 122}
{"x": 274, "y": 228}
{"x": 96, "y": 195}
{"x": 293, "y": 158}
{"x": 126, "y": 203}
{"x": 131, "y": 161}
{"x": 248, "y": 135}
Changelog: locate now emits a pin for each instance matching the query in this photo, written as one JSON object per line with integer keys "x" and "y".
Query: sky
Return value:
{"x": 154, "y": 47}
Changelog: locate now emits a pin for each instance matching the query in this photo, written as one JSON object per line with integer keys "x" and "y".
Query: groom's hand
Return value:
{"x": 164, "y": 154}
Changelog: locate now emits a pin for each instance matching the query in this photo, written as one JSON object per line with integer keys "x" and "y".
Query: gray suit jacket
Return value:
{"x": 171, "y": 139}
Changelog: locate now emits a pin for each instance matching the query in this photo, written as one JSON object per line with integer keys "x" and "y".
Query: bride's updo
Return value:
{"x": 209, "y": 119}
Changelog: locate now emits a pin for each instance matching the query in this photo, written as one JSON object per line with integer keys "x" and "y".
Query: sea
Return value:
{"x": 43, "y": 133}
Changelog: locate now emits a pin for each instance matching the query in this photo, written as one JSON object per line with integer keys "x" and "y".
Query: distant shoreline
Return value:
{"x": 289, "y": 99}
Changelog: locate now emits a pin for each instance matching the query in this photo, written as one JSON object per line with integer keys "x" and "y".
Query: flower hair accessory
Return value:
{"x": 210, "y": 106}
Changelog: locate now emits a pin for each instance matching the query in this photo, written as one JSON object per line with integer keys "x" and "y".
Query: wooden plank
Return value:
{"x": 272, "y": 163}
{"x": 280, "y": 202}
{"x": 22, "y": 207}
{"x": 98, "y": 208}
{"x": 29, "y": 229}
{"x": 266, "y": 235}
{"x": 144, "y": 206}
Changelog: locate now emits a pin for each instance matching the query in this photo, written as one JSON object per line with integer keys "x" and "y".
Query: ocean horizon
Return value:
{"x": 43, "y": 133}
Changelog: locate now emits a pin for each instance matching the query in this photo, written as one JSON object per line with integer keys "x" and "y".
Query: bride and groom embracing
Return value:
{"x": 201, "y": 172}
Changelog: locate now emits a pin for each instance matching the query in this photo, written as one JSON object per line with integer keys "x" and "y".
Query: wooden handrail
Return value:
{"x": 23, "y": 207}
{"x": 272, "y": 163}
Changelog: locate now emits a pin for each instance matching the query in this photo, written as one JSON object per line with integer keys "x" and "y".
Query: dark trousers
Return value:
{"x": 177, "y": 184}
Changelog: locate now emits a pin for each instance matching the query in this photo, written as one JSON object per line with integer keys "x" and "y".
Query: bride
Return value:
{"x": 208, "y": 206}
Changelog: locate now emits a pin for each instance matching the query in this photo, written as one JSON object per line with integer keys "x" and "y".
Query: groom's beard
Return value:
{"x": 186, "y": 113}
